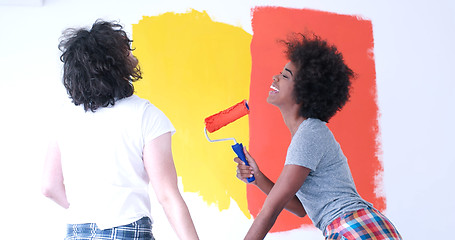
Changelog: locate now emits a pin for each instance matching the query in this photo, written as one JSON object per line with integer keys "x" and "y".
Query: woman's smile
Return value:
{"x": 274, "y": 90}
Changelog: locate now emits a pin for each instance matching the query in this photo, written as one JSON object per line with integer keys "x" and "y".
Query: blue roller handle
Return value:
{"x": 238, "y": 149}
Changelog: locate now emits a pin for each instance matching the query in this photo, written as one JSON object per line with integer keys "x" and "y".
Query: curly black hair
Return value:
{"x": 98, "y": 66}
{"x": 323, "y": 80}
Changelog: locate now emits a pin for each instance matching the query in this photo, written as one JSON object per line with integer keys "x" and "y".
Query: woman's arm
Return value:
{"x": 52, "y": 183}
{"x": 160, "y": 168}
{"x": 289, "y": 182}
{"x": 264, "y": 183}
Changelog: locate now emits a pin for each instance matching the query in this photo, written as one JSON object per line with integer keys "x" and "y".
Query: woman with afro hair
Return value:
{"x": 316, "y": 179}
{"x": 110, "y": 144}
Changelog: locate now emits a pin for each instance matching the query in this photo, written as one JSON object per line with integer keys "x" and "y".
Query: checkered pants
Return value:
{"x": 362, "y": 224}
{"x": 139, "y": 230}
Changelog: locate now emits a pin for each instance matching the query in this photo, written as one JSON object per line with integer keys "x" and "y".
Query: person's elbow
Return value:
{"x": 299, "y": 211}
{"x": 168, "y": 198}
{"x": 300, "y": 214}
{"x": 163, "y": 199}
{"x": 296, "y": 208}
{"x": 47, "y": 191}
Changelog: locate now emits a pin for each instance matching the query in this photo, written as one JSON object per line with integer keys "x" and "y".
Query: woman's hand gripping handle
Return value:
{"x": 246, "y": 169}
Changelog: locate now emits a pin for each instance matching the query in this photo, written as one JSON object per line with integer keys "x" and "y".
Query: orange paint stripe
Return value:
{"x": 355, "y": 127}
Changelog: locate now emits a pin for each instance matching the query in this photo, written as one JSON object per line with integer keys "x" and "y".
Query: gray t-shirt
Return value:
{"x": 329, "y": 190}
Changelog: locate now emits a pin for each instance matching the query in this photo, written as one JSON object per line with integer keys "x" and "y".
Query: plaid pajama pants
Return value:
{"x": 139, "y": 230}
{"x": 362, "y": 224}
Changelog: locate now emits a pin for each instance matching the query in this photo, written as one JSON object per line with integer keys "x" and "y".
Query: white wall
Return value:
{"x": 414, "y": 67}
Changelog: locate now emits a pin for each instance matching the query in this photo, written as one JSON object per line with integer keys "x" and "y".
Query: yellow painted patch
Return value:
{"x": 194, "y": 67}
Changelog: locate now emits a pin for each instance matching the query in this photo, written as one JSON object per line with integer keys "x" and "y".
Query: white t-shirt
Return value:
{"x": 101, "y": 154}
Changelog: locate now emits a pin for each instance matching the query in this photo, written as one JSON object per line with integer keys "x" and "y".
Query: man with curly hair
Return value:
{"x": 316, "y": 179}
{"x": 109, "y": 144}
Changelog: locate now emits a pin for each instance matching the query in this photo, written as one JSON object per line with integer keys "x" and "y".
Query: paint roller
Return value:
{"x": 222, "y": 119}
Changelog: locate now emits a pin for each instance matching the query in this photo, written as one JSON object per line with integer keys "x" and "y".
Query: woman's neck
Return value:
{"x": 292, "y": 119}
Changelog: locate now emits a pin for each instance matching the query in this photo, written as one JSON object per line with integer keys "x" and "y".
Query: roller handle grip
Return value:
{"x": 238, "y": 149}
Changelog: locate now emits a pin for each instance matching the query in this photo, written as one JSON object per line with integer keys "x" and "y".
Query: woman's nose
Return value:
{"x": 275, "y": 78}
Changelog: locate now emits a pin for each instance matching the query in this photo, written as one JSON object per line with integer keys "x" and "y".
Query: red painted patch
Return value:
{"x": 355, "y": 127}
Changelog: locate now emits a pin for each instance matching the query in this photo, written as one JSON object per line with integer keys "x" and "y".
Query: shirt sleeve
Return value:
{"x": 306, "y": 149}
{"x": 155, "y": 123}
